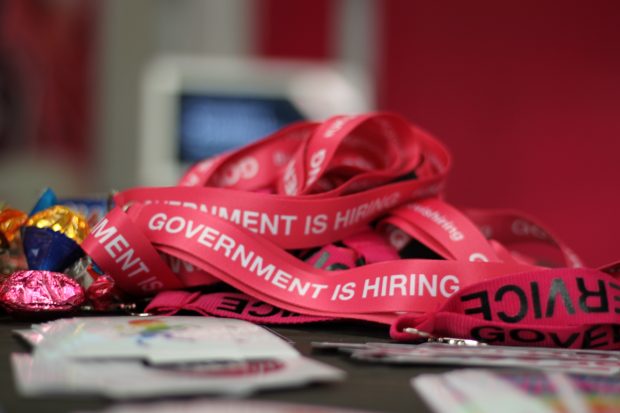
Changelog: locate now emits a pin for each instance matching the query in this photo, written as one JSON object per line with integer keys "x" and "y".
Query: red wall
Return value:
{"x": 527, "y": 96}
{"x": 294, "y": 29}
{"x": 525, "y": 93}
{"x": 49, "y": 47}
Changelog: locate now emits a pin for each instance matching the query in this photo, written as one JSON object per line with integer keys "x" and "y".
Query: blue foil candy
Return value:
{"x": 49, "y": 250}
{"x": 46, "y": 200}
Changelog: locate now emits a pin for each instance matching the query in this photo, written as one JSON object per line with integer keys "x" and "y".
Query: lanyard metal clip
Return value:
{"x": 453, "y": 341}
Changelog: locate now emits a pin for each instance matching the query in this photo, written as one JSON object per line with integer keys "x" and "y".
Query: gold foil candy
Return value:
{"x": 61, "y": 219}
{"x": 11, "y": 221}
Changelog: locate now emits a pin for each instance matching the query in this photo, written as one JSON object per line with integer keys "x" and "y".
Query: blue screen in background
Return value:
{"x": 211, "y": 124}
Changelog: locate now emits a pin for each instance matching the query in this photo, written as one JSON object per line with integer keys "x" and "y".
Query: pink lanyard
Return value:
{"x": 238, "y": 217}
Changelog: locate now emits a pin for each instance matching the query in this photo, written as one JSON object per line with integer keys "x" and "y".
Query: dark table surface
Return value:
{"x": 373, "y": 387}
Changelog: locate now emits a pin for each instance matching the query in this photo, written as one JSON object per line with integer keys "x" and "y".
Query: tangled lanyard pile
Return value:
{"x": 344, "y": 219}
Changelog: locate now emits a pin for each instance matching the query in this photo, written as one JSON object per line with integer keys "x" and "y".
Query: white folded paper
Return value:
{"x": 222, "y": 406}
{"x": 129, "y": 357}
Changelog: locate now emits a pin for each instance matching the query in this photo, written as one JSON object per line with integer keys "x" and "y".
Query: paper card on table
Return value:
{"x": 349, "y": 347}
{"x": 219, "y": 406}
{"x": 160, "y": 339}
{"x": 441, "y": 396}
{"x": 132, "y": 379}
{"x": 574, "y": 393}
{"x": 31, "y": 337}
{"x": 446, "y": 393}
{"x": 523, "y": 391}
{"x": 563, "y": 360}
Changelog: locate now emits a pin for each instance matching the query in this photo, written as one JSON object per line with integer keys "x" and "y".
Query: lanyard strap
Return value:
{"x": 352, "y": 195}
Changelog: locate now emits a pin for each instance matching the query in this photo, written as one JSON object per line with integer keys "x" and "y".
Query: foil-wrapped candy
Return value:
{"x": 61, "y": 219}
{"x": 11, "y": 252}
{"x": 52, "y": 237}
{"x": 35, "y": 292}
{"x": 100, "y": 288}
{"x": 11, "y": 221}
{"x": 102, "y": 293}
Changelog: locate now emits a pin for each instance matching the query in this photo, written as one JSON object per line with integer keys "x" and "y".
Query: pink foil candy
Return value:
{"x": 101, "y": 292}
{"x": 37, "y": 291}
